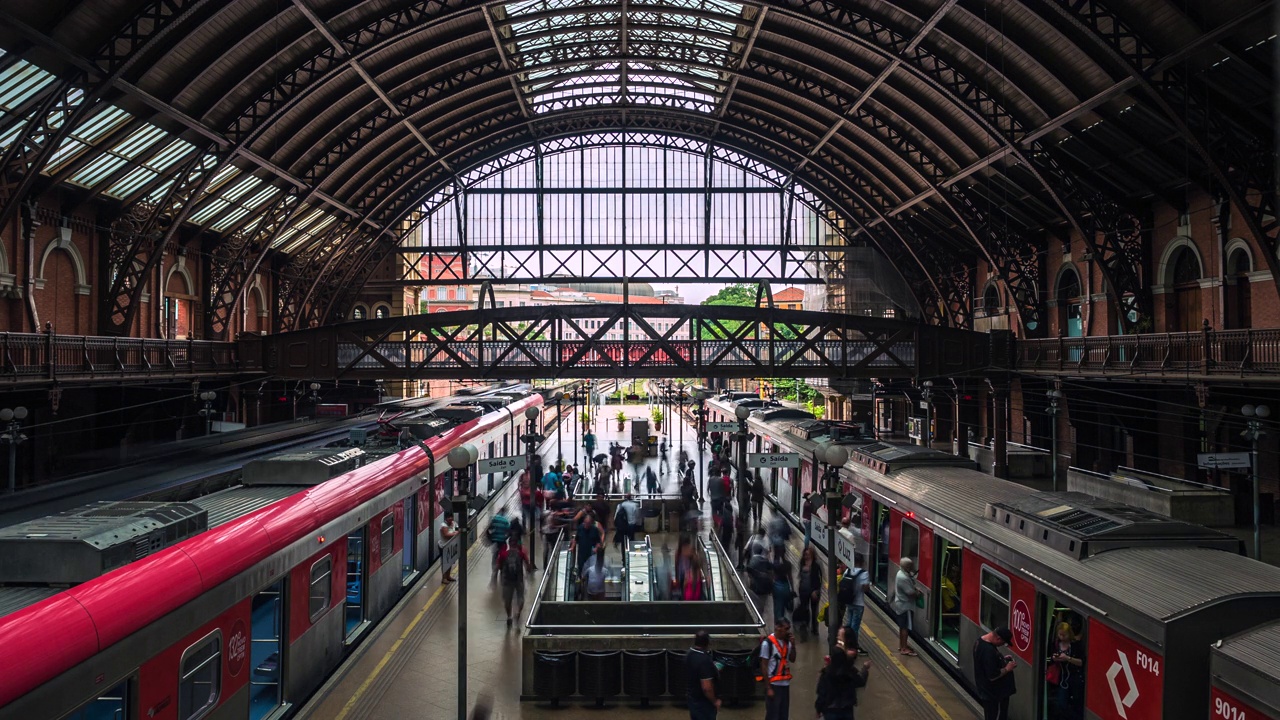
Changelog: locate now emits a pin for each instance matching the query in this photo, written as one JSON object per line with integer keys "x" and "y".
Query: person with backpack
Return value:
{"x": 777, "y": 653}
{"x": 759, "y": 575}
{"x": 851, "y": 594}
{"x": 497, "y": 533}
{"x": 512, "y": 561}
{"x": 838, "y": 685}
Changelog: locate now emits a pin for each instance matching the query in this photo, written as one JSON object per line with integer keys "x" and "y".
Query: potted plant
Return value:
{"x": 657, "y": 418}
{"x": 622, "y": 421}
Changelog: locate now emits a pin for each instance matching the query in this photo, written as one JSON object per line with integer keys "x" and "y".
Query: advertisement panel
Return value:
{"x": 1125, "y": 679}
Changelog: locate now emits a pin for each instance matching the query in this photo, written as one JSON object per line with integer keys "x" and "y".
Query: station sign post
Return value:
{"x": 773, "y": 460}
{"x": 499, "y": 465}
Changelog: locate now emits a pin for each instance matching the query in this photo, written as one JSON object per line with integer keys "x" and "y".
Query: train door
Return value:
{"x": 490, "y": 475}
{"x": 266, "y": 651}
{"x": 110, "y": 705}
{"x": 880, "y": 576}
{"x": 409, "y": 526}
{"x": 1063, "y": 633}
{"x": 946, "y": 622}
{"x": 354, "y": 605}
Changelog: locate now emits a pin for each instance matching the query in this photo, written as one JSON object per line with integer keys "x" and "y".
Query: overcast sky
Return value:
{"x": 693, "y": 293}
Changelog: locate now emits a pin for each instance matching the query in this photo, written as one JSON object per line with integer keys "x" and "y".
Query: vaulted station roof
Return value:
{"x": 946, "y": 132}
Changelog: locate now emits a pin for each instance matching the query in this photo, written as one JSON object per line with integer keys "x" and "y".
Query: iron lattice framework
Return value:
{"x": 946, "y": 134}
{"x": 698, "y": 212}
{"x": 627, "y": 340}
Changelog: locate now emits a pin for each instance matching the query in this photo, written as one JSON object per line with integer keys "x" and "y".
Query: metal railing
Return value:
{"x": 1207, "y": 352}
{"x": 40, "y": 357}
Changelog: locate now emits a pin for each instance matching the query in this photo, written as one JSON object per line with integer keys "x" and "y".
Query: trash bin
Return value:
{"x": 600, "y": 674}
{"x": 555, "y": 674}
{"x": 652, "y": 520}
{"x": 644, "y": 674}
{"x": 738, "y": 675}
{"x": 677, "y": 683}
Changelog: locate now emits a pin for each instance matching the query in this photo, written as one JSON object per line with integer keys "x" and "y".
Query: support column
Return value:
{"x": 959, "y": 431}
{"x": 1000, "y": 430}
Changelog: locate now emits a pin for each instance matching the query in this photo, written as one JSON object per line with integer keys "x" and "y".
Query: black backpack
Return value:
{"x": 761, "y": 573}
{"x": 848, "y": 590}
{"x": 511, "y": 568}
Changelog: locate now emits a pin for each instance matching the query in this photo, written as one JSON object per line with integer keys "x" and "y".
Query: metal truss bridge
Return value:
{"x": 626, "y": 340}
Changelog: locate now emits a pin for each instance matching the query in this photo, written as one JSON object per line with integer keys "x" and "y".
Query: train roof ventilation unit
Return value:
{"x": 891, "y": 457}
{"x": 302, "y": 467}
{"x": 1081, "y": 525}
{"x": 79, "y": 545}
{"x": 833, "y": 430}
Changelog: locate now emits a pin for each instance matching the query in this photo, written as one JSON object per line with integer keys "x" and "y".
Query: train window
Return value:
{"x": 910, "y": 541}
{"x": 388, "y": 536}
{"x": 320, "y": 586}
{"x": 200, "y": 677}
{"x": 110, "y": 705}
{"x": 993, "y": 602}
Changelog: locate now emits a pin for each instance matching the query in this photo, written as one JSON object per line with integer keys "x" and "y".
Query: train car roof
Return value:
{"x": 1156, "y": 585}
{"x": 1250, "y": 664}
{"x": 227, "y": 505}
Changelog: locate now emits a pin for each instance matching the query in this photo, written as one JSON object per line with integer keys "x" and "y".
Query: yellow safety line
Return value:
{"x": 910, "y": 677}
{"x": 395, "y": 647}
{"x": 924, "y": 693}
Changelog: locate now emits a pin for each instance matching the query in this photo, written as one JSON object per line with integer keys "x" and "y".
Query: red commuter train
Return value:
{"x": 1145, "y": 598}
{"x": 247, "y": 618}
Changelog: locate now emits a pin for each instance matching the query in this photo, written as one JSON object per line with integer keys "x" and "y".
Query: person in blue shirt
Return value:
{"x": 589, "y": 443}
{"x": 499, "y": 531}
{"x": 550, "y": 481}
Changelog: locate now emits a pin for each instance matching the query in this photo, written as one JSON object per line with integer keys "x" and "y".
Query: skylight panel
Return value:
{"x": 99, "y": 169}
{"x": 138, "y": 142}
{"x": 209, "y": 211}
{"x": 229, "y": 219}
{"x": 19, "y": 83}
{"x": 101, "y": 123}
{"x": 158, "y": 194}
{"x": 164, "y": 159}
{"x": 131, "y": 183}
{"x": 245, "y": 185}
{"x": 262, "y": 196}
{"x": 297, "y": 226}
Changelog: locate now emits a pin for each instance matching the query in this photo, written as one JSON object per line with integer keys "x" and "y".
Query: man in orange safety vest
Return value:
{"x": 777, "y": 652}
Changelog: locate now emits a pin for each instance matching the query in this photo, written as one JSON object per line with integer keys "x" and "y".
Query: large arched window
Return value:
{"x": 1184, "y": 304}
{"x": 1239, "y": 293}
{"x": 1070, "y": 304}
{"x": 638, "y": 206}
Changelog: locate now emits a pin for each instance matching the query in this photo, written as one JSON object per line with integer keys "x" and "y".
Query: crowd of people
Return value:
{"x": 792, "y": 593}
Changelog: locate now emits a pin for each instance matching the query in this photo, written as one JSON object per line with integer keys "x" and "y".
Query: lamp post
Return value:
{"x": 208, "y": 397}
{"x": 531, "y": 439}
{"x": 577, "y": 429}
{"x": 680, "y": 414}
{"x": 315, "y": 395}
{"x": 926, "y": 432}
{"x": 700, "y": 412}
{"x": 461, "y": 459}
{"x": 833, "y": 457}
{"x": 13, "y": 417}
{"x": 742, "y": 414}
{"x": 1054, "y": 396}
{"x": 559, "y": 398}
{"x": 1254, "y": 432}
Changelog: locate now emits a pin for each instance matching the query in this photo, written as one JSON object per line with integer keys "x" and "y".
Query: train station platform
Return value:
{"x": 408, "y": 669}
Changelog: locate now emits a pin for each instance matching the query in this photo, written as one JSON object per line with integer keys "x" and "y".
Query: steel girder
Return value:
{"x": 701, "y": 341}
{"x": 1242, "y": 163}
{"x": 72, "y": 98}
{"x": 136, "y": 252}
{"x": 234, "y": 261}
{"x": 1075, "y": 202}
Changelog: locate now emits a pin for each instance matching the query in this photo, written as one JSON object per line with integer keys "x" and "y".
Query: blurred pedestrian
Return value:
{"x": 838, "y": 685}
{"x": 513, "y": 560}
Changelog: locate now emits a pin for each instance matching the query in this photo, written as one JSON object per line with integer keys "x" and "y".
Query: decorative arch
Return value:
{"x": 359, "y": 312}
{"x": 62, "y": 241}
{"x": 1068, "y": 269}
{"x": 1164, "y": 272}
{"x": 1235, "y": 246}
{"x": 180, "y": 268}
{"x": 381, "y": 308}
